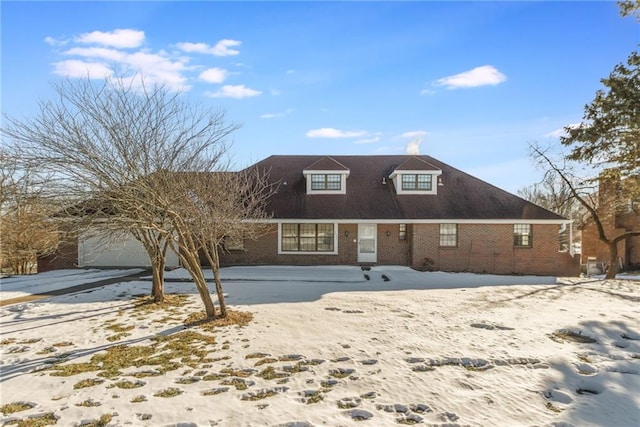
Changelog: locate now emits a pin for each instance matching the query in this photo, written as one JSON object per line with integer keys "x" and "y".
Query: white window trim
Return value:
{"x": 344, "y": 174}
{"x": 396, "y": 176}
{"x": 335, "y": 239}
{"x": 455, "y": 244}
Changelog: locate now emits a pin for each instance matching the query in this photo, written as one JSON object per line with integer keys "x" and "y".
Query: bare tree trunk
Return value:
{"x": 156, "y": 247}
{"x": 157, "y": 288}
{"x": 613, "y": 260}
{"x": 214, "y": 259}
{"x": 192, "y": 262}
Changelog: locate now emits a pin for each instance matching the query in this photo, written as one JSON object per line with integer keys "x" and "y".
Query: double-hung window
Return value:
{"x": 522, "y": 236}
{"x": 416, "y": 182}
{"x": 326, "y": 182}
{"x": 307, "y": 238}
{"x": 448, "y": 235}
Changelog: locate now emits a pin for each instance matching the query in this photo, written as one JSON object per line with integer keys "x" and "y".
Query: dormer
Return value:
{"x": 326, "y": 176}
{"x": 415, "y": 176}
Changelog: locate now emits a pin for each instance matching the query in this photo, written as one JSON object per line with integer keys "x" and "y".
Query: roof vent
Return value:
{"x": 384, "y": 180}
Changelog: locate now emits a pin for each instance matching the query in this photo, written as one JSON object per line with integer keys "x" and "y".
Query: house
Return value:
{"x": 387, "y": 210}
{"x": 619, "y": 213}
{"x": 400, "y": 210}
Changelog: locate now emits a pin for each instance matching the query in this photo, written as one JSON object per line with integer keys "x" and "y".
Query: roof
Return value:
{"x": 415, "y": 163}
{"x": 326, "y": 164}
{"x": 369, "y": 197}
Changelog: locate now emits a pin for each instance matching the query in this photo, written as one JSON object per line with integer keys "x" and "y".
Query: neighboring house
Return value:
{"x": 618, "y": 214}
{"x": 391, "y": 210}
{"x": 400, "y": 210}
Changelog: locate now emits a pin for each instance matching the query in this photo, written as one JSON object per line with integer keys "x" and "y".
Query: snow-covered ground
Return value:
{"x": 400, "y": 347}
{"x": 20, "y": 286}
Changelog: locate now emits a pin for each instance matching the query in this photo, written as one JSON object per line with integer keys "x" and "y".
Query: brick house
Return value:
{"x": 385, "y": 210}
{"x": 400, "y": 210}
{"x": 618, "y": 214}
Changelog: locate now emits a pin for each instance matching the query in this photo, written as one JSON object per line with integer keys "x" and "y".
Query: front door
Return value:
{"x": 367, "y": 246}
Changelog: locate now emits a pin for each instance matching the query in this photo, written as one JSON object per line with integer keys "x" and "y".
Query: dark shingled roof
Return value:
{"x": 460, "y": 197}
{"x": 415, "y": 163}
{"x": 327, "y": 163}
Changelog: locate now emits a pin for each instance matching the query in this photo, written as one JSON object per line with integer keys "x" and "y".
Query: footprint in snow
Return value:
{"x": 359, "y": 415}
{"x": 349, "y": 402}
{"x": 491, "y": 327}
{"x": 557, "y": 396}
{"x": 296, "y": 424}
{"x": 585, "y": 369}
{"x": 402, "y": 409}
{"x": 409, "y": 419}
{"x": 631, "y": 336}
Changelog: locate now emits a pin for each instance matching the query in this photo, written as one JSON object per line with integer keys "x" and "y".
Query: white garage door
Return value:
{"x": 125, "y": 252}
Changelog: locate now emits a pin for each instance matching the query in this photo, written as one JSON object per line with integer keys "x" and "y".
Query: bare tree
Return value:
{"x": 584, "y": 191}
{"x": 551, "y": 193}
{"x": 220, "y": 206}
{"x": 554, "y": 194}
{"x": 111, "y": 144}
{"x": 26, "y": 229}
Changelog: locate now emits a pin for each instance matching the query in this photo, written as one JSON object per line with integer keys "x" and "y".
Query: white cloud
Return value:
{"x": 334, "y": 133}
{"x": 213, "y": 75}
{"x": 427, "y": 92}
{"x": 367, "y": 140}
{"x": 97, "y": 52}
{"x": 277, "y": 115}
{"x": 81, "y": 69}
{"x": 231, "y": 91}
{"x": 102, "y": 53}
{"x": 561, "y": 132}
{"x": 414, "y": 134}
{"x": 55, "y": 42}
{"x": 154, "y": 67}
{"x": 120, "y": 38}
{"x": 222, "y": 48}
{"x": 479, "y": 76}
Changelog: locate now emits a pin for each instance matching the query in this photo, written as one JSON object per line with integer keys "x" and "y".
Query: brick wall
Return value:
{"x": 265, "y": 251}
{"x": 392, "y": 250}
{"x": 488, "y": 248}
{"x": 628, "y": 249}
{"x": 616, "y": 219}
{"x": 481, "y": 248}
{"x": 65, "y": 257}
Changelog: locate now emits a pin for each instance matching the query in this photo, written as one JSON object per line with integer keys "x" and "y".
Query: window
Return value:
{"x": 307, "y": 238}
{"x": 326, "y": 182}
{"x": 522, "y": 235}
{"x": 402, "y": 231}
{"x": 448, "y": 235}
{"x": 420, "y": 182}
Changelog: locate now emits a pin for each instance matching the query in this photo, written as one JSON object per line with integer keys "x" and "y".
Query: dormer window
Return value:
{"x": 326, "y": 182}
{"x": 416, "y": 182}
{"x": 415, "y": 176}
{"x": 326, "y": 176}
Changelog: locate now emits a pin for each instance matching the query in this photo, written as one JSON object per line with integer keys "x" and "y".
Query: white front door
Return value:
{"x": 367, "y": 245}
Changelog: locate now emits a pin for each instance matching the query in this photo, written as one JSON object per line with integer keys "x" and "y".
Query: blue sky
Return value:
{"x": 470, "y": 83}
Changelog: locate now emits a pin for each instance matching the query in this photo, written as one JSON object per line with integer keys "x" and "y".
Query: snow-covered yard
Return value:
{"x": 327, "y": 346}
